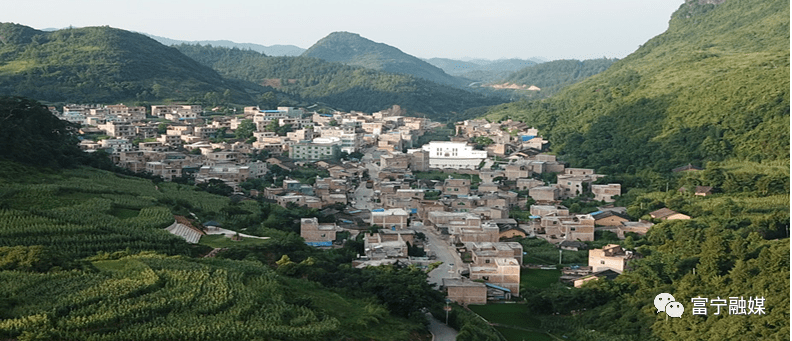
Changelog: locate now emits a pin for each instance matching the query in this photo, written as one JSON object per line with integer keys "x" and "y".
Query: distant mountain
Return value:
{"x": 352, "y": 49}
{"x": 272, "y": 50}
{"x": 481, "y": 70}
{"x": 103, "y": 64}
{"x": 340, "y": 86}
{"x": 553, "y": 76}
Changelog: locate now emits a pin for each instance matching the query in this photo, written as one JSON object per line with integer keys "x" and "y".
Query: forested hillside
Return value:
{"x": 715, "y": 86}
{"x": 103, "y": 64}
{"x": 340, "y": 86}
{"x": 553, "y": 76}
{"x": 712, "y": 91}
{"x": 483, "y": 72}
{"x": 352, "y": 49}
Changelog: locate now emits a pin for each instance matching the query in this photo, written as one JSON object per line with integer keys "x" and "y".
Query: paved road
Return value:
{"x": 440, "y": 330}
{"x": 444, "y": 251}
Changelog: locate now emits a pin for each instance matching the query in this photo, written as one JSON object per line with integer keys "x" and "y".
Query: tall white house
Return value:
{"x": 456, "y": 155}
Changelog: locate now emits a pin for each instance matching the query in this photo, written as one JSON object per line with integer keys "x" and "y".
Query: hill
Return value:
{"x": 103, "y": 64}
{"x": 481, "y": 70}
{"x": 714, "y": 86}
{"x": 713, "y": 90}
{"x": 340, "y": 86}
{"x": 272, "y": 50}
{"x": 552, "y": 76}
{"x": 352, "y": 49}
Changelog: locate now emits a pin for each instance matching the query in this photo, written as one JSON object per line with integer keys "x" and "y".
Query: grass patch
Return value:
{"x": 365, "y": 319}
{"x": 538, "y": 278}
{"x": 124, "y": 213}
{"x": 513, "y": 321}
{"x": 507, "y": 314}
{"x": 219, "y": 240}
{"x": 513, "y": 334}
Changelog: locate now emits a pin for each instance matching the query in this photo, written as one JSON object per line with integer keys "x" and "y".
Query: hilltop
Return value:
{"x": 352, "y": 49}
{"x": 103, "y": 64}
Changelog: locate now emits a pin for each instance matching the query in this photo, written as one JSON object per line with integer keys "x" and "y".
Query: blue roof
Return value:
{"x": 378, "y": 210}
{"x": 355, "y": 211}
{"x": 497, "y": 287}
{"x": 325, "y": 115}
{"x": 413, "y": 210}
{"x": 271, "y": 111}
{"x": 595, "y": 213}
{"x": 534, "y": 217}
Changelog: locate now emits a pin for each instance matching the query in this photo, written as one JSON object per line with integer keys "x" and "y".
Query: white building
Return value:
{"x": 456, "y": 155}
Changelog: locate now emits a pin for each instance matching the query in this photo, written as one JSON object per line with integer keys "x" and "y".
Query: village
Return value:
{"x": 453, "y": 200}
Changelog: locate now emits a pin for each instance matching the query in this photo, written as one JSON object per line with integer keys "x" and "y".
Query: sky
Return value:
{"x": 493, "y": 29}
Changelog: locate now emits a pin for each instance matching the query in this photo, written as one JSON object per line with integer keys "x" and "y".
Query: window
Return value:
{"x": 602, "y": 262}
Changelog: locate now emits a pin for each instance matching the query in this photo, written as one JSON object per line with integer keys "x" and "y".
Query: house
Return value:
{"x": 604, "y": 274}
{"x": 544, "y": 193}
{"x": 456, "y": 186}
{"x": 316, "y": 234}
{"x": 606, "y": 192}
{"x": 395, "y": 218}
{"x": 667, "y": 214}
{"x": 574, "y": 227}
{"x": 686, "y": 168}
{"x": 638, "y": 227}
{"x": 547, "y": 210}
{"x": 517, "y": 171}
{"x": 572, "y": 245}
{"x": 482, "y": 252}
{"x": 318, "y": 149}
{"x": 703, "y": 191}
{"x": 379, "y": 246}
{"x": 464, "y": 291}
{"x": 500, "y": 271}
{"x": 454, "y": 155}
{"x": 612, "y": 257}
{"x": 608, "y": 218}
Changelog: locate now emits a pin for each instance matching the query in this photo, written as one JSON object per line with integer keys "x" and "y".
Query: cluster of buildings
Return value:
{"x": 470, "y": 206}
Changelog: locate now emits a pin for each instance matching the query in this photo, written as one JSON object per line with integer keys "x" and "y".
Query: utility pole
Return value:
{"x": 559, "y": 255}
{"x": 447, "y": 309}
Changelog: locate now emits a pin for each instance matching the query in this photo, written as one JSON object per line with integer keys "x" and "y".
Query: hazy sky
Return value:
{"x": 493, "y": 29}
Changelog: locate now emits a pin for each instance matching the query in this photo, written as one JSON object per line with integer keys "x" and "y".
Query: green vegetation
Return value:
{"x": 712, "y": 91}
{"x": 339, "y": 86}
{"x": 84, "y": 255}
{"x": 553, "y": 76}
{"x": 714, "y": 86}
{"x": 471, "y": 327}
{"x": 540, "y": 251}
{"x": 512, "y": 321}
{"x": 440, "y": 176}
{"x": 538, "y": 278}
{"x": 103, "y": 64}
{"x": 219, "y": 240}
{"x": 352, "y": 49}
